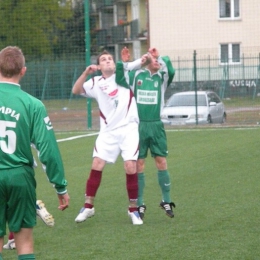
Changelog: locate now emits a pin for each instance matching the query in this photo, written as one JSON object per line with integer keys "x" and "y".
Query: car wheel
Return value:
{"x": 224, "y": 118}
{"x": 209, "y": 119}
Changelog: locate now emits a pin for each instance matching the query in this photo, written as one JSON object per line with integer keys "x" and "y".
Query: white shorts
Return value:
{"x": 124, "y": 140}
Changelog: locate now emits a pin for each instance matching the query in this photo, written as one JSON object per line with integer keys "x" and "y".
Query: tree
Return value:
{"x": 33, "y": 25}
{"x": 73, "y": 35}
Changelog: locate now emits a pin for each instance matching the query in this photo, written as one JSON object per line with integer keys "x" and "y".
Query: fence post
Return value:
{"x": 45, "y": 84}
{"x": 73, "y": 81}
{"x": 257, "y": 77}
{"x": 87, "y": 52}
{"x": 209, "y": 75}
{"x": 61, "y": 64}
{"x": 195, "y": 84}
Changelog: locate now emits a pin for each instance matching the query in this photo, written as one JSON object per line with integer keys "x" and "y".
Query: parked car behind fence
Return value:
{"x": 201, "y": 107}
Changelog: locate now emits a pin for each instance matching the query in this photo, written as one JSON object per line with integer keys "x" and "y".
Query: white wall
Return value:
{"x": 177, "y": 27}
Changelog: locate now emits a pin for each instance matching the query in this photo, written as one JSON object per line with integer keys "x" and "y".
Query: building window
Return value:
{"x": 230, "y": 53}
{"x": 229, "y": 9}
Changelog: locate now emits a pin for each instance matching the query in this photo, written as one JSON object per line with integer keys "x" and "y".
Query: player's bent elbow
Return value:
{"x": 76, "y": 91}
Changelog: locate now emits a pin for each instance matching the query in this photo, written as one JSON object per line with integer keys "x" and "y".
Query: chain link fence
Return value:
{"x": 59, "y": 38}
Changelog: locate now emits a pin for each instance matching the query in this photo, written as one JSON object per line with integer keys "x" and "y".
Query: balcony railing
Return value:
{"x": 128, "y": 31}
{"x": 104, "y": 3}
{"x": 101, "y": 37}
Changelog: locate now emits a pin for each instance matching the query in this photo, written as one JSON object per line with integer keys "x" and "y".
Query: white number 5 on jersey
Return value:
{"x": 9, "y": 144}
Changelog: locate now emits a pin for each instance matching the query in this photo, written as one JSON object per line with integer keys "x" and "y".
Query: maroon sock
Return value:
{"x": 11, "y": 236}
{"x": 88, "y": 206}
{"x": 132, "y": 188}
{"x": 92, "y": 185}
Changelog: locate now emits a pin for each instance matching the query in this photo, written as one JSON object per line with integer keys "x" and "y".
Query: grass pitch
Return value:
{"x": 215, "y": 186}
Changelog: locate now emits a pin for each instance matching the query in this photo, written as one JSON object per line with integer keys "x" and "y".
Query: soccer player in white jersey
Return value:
{"x": 149, "y": 85}
{"x": 118, "y": 132}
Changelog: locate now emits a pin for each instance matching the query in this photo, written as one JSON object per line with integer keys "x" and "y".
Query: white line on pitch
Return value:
{"x": 167, "y": 130}
{"x": 75, "y": 137}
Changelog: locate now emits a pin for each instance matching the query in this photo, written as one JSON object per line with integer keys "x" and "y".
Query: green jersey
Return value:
{"x": 148, "y": 88}
{"x": 24, "y": 121}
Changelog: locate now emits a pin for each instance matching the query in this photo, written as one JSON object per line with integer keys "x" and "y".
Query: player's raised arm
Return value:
{"x": 78, "y": 86}
{"x": 125, "y": 69}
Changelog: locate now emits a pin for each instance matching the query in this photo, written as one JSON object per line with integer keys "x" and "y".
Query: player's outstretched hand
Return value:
{"x": 64, "y": 200}
{"x": 125, "y": 54}
{"x": 154, "y": 52}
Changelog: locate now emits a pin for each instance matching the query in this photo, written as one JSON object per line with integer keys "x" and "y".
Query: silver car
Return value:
{"x": 183, "y": 108}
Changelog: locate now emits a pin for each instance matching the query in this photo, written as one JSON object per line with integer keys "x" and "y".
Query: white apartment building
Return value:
{"x": 224, "y": 28}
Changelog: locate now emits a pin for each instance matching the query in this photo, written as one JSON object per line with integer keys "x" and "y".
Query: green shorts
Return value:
{"x": 17, "y": 199}
{"x": 153, "y": 137}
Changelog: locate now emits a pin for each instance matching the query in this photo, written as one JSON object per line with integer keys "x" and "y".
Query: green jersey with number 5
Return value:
{"x": 24, "y": 121}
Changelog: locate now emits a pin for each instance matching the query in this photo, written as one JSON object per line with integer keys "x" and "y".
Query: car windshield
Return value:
{"x": 186, "y": 100}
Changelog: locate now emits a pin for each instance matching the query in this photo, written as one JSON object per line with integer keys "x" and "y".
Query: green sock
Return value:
{"x": 1, "y": 258}
{"x": 165, "y": 184}
{"x": 26, "y": 257}
{"x": 141, "y": 185}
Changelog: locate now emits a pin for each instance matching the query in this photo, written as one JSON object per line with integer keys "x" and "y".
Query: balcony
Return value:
{"x": 103, "y": 37}
{"x": 122, "y": 33}
{"x": 104, "y": 3}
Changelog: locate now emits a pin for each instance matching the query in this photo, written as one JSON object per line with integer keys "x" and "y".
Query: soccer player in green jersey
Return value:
{"x": 41, "y": 212}
{"x": 149, "y": 85}
{"x": 23, "y": 121}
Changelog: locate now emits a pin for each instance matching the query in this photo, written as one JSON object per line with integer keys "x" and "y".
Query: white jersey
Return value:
{"x": 117, "y": 104}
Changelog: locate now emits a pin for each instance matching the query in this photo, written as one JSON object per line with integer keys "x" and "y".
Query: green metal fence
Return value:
{"x": 59, "y": 38}
{"x": 227, "y": 80}
{"x": 53, "y": 79}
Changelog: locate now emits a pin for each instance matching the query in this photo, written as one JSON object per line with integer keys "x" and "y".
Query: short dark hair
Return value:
{"x": 11, "y": 61}
{"x": 104, "y": 52}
